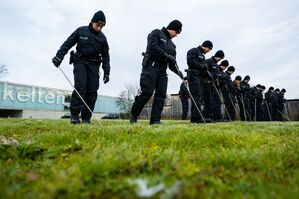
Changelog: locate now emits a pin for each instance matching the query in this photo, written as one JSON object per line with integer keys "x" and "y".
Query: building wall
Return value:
{"x": 292, "y": 109}
{"x": 17, "y": 96}
{"x": 29, "y": 101}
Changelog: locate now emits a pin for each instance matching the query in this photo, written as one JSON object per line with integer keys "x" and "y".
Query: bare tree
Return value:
{"x": 126, "y": 97}
{"x": 3, "y": 70}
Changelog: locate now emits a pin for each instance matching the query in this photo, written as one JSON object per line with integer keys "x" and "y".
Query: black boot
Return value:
{"x": 133, "y": 119}
{"x": 74, "y": 119}
{"x": 155, "y": 122}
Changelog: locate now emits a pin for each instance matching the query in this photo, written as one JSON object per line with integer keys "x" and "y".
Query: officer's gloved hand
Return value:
{"x": 106, "y": 78}
{"x": 170, "y": 58}
{"x": 56, "y": 61}
{"x": 204, "y": 66}
{"x": 180, "y": 74}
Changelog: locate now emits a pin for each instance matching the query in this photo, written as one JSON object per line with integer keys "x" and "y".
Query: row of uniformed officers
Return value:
{"x": 210, "y": 84}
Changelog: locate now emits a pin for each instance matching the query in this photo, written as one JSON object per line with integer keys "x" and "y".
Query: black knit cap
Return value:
{"x": 283, "y": 90}
{"x": 99, "y": 17}
{"x": 220, "y": 54}
{"x": 186, "y": 78}
{"x": 258, "y": 86}
{"x": 277, "y": 90}
{"x": 207, "y": 44}
{"x": 175, "y": 25}
{"x": 263, "y": 87}
{"x": 238, "y": 77}
{"x": 231, "y": 68}
{"x": 247, "y": 77}
{"x": 271, "y": 88}
{"x": 224, "y": 63}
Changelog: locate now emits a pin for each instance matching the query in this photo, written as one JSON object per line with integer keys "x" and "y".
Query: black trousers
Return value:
{"x": 268, "y": 113}
{"x": 253, "y": 109}
{"x": 196, "y": 90}
{"x": 229, "y": 102}
{"x": 155, "y": 79}
{"x": 185, "y": 106}
{"x": 86, "y": 76}
{"x": 259, "y": 111}
{"x": 217, "y": 115}
{"x": 208, "y": 97}
{"x": 244, "y": 102}
{"x": 279, "y": 112}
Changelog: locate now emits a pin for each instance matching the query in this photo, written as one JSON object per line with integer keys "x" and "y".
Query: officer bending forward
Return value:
{"x": 160, "y": 54}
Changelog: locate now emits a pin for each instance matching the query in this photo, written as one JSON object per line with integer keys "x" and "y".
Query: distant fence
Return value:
{"x": 292, "y": 109}
{"x": 173, "y": 109}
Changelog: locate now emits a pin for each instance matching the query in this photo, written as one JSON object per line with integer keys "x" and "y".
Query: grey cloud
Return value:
{"x": 258, "y": 37}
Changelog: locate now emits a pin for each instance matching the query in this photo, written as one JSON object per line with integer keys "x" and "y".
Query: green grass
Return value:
{"x": 55, "y": 159}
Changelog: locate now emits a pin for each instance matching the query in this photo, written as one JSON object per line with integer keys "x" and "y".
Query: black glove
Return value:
{"x": 170, "y": 58}
{"x": 204, "y": 66}
{"x": 106, "y": 78}
{"x": 180, "y": 74}
{"x": 56, "y": 61}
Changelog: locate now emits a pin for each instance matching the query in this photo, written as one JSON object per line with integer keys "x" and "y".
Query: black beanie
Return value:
{"x": 231, "y": 68}
{"x": 207, "y": 44}
{"x": 263, "y": 87}
{"x": 271, "y": 88}
{"x": 186, "y": 78}
{"x": 99, "y": 17}
{"x": 277, "y": 90}
{"x": 258, "y": 86}
{"x": 238, "y": 77}
{"x": 220, "y": 54}
{"x": 175, "y": 25}
{"x": 283, "y": 90}
{"x": 224, "y": 63}
{"x": 247, "y": 77}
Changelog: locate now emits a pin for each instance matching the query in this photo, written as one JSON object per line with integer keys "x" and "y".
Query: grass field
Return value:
{"x": 54, "y": 159}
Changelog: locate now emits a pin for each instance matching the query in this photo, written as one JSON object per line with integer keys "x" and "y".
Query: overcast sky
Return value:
{"x": 259, "y": 38}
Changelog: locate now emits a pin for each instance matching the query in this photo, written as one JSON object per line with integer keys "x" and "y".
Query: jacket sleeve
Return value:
{"x": 106, "y": 58}
{"x": 67, "y": 45}
{"x": 172, "y": 66}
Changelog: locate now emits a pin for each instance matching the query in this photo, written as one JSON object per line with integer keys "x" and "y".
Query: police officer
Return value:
{"x": 197, "y": 68}
{"x": 211, "y": 99}
{"x": 219, "y": 83}
{"x": 261, "y": 105}
{"x": 237, "y": 88}
{"x": 245, "y": 98}
{"x": 268, "y": 106}
{"x": 228, "y": 92}
{"x": 91, "y": 50}
{"x": 275, "y": 105}
{"x": 259, "y": 100}
{"x": 160, "y": 54}
{"x": 184, "y": 97}
{"x": 281, "y": 101}
{"x": 253, "y": 95}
